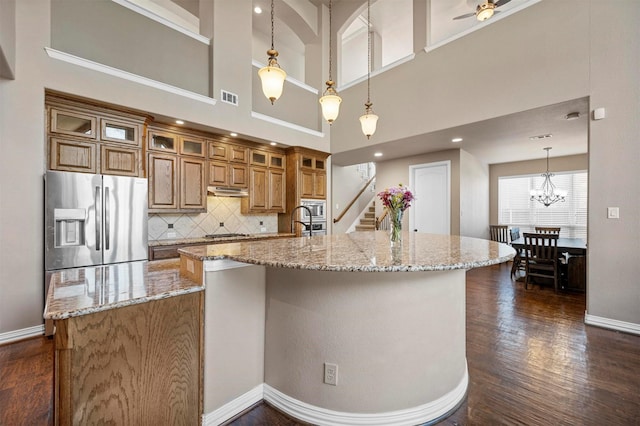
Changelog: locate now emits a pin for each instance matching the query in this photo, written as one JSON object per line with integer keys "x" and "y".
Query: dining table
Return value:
{"x": 573, "y": 246}
{"x": 573, "y": 276}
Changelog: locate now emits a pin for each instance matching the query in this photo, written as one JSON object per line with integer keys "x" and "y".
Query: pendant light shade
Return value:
{"x": 548, "y": 194}
{"x": 369, "y": 120}
{"x": 272, "y": 76}
{"x": 330, "y": 101}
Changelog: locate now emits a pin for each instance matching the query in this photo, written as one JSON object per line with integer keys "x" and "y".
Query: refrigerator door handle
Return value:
{"x": 107, "y": 217}
{"x": 98, "y": 209}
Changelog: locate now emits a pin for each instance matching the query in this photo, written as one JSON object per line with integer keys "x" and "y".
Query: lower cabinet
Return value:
{"x": 137, "y": 365}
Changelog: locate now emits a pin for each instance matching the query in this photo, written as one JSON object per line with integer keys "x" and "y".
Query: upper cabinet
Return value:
{"x": 72, "y": 123}
{"x": 267, "y": 182}
{"x": 159, "y": 140}
{"x": 307, "y": 169}
{"x": 90, "y": 138}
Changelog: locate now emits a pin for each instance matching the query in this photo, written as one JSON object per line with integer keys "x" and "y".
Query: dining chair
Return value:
{"x": 499, "y": 233}
{"x": 547, "y": 230}
{"x": 518, "y": 259}
{"x": 541, "y": 257}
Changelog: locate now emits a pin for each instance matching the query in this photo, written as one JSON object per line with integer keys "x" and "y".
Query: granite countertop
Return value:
{"x": 80, "y": 291}
{"x": 368, "y": 251}
{"x": 207, "y": 240}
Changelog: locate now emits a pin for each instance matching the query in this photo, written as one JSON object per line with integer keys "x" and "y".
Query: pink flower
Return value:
{"x": 397, "y": 197}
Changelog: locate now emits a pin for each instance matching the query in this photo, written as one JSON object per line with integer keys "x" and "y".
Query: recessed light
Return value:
{"x": 535, "y": 138}
{"x": 273, "y": 144}
{"x": 179, "y": 122}
{"x": 257, "y": 10}
{"x": 456, "y": 140}
{"x": 377, "y": 154}
{"x": 234, "y": 134}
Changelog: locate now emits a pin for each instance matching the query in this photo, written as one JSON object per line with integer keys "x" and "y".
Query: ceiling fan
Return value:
{"x": 485, "y": 10}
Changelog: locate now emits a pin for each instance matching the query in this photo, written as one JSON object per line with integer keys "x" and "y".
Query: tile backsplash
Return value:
{"x": 219, "y": 210}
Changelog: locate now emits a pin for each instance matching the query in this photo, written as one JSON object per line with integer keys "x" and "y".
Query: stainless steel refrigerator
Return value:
{"x": 93, "y": 220}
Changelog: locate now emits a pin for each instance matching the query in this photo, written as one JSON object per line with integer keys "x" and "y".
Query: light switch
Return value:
{"x": 613, "y": 213}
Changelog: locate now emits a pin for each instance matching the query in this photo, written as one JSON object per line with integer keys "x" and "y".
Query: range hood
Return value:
{"x": 227, "y": 191}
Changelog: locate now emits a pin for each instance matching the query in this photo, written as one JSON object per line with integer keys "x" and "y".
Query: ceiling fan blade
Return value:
{"x": 501, "y": 2}
{"x": 466, "y": 15}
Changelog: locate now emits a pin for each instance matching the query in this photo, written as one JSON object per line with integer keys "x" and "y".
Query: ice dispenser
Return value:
{"x": 69, "y": 227}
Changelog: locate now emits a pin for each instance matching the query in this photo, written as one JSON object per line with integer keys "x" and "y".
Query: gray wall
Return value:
{"x": 474, "y": 196}
{"x": 23, "y": 144}
{"x": 111, "y": 34}
{"x": 392, "y": 172}
{"x": 614, "y": 154}
{"x": 7, "y": 38}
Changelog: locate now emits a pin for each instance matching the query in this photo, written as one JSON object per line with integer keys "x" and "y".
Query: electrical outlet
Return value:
{"x": 221, "y": 224}
{"x": 331, "y": 374}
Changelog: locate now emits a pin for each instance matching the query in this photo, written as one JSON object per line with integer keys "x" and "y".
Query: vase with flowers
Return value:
{"x": 396, "y": 200}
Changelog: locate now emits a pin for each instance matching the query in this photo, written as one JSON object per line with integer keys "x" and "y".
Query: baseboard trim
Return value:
{"x": 627, "y": 327}
{"x": 25, "y": 333}
{"x": 234, "y": 407}
{"x": 426, "y": 413}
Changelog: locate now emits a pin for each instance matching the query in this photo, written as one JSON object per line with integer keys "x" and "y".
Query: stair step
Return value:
{"x": 365, "y": 227}
{"x": 370, "y": 215}
{"x": 365, "y": 221}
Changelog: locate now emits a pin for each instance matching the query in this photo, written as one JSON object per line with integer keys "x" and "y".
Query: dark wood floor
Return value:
{"x": 532, "y": 361}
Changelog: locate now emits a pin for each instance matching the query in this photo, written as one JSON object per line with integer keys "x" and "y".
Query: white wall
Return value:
{"x": 7, "y": 38}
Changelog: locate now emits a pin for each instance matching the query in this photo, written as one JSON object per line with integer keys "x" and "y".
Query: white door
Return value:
{"x": 431, "y": 210}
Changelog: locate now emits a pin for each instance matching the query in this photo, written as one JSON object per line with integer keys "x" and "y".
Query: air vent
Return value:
{"x": 229, "y": 98}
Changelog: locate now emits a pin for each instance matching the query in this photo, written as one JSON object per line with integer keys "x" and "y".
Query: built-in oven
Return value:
{"x": 317, "y": 228}
{"x": 318, "y": 209}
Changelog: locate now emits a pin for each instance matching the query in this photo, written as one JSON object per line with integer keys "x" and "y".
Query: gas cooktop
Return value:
{"x": 231, "y": 235}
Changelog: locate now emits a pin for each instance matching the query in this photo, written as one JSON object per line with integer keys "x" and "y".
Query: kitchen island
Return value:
{"x": 128, "y": 344}
{"x": 388, "y": 321}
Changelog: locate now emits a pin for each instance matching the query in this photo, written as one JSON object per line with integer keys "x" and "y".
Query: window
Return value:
{"x": 517, "y": 210}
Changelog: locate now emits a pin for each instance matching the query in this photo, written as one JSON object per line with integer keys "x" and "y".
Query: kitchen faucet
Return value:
{"x": 306, "y": 227}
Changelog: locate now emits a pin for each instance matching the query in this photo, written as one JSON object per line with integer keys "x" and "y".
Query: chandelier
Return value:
{"x": 369, "y": 119}
{"x": 548, "y": 194}
{"x": 272, "y": 76}
{"x": 330, "y": 101}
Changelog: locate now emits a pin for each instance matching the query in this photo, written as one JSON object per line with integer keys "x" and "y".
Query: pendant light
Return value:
{"x": 548, "y": 194}
{"x": 369, "y": 120}
{"x": 330, "y": 101}
{"x": 272, "y": 75}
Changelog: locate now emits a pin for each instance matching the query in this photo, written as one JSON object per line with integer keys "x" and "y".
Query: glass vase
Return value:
{"x": 395, "y": 229}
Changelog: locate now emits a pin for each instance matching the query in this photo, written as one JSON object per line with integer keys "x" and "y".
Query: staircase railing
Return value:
{"x": 364, "y": 188}
{"x": 383, "y": 222}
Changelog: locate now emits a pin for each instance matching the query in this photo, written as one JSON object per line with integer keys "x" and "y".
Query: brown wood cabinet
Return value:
{"x": 306, "y": 178}
{"x": 193, "y": 186}
{"x": 163, "y": 182}
{"x": 72, "y": 156}
{"x": 267, "y": 183}
{"x": 120, "y": 161}
{"x": 138, "y": 364}
{"x": 91, "y": 138}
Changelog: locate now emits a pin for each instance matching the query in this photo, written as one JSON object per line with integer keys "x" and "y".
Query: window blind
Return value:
{"x": 517, "y": 210}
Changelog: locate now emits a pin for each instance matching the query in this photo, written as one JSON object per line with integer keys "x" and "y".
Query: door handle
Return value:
{"x": 107, "y": 221}
{"x": 98, "y": 209}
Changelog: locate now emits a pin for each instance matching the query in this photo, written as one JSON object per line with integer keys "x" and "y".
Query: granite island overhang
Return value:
{"x": 392, "y": 319}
